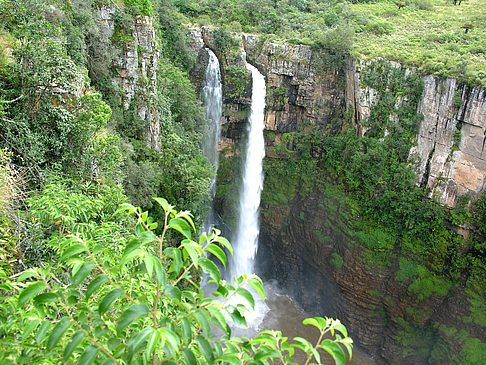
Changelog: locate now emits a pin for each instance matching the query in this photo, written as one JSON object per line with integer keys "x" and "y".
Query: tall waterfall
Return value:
{"x": 245, "y": 243}
{"x": 212, "y": 96}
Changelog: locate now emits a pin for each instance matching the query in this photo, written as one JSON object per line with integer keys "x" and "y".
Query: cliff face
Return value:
{"x": 309, "y": 240}
{"x": 136, "y": 70}
{"x": 449, "y": 150}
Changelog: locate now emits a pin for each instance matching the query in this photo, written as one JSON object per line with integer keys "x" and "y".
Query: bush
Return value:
{"x": 379, "y": 27}
{"x": 423, "y": 4}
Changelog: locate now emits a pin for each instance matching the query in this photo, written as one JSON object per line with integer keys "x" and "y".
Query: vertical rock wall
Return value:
{"x": 449, "y": 150}
{"x": 136, "y": 70}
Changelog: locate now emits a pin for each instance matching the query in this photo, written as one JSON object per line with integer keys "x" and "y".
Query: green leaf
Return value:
{"x": 131, "y": 314}
{"x": 131, "y": 255}
{"x": 203, "y": 238}
{"x": 137, "y": 340}
{"x": 203, "y": 322}
{"x": 246, "y": 295}
{"x": 126, "y": 207}
{"x": 238, "y": 318}
{"x": 82, "y": 274}
{"x": 220, "y": 320}
{"x": 46, "y": 298}
{"x": 186, "y": 330}
{"x": 72, "y": 250}
{"x": 189, "y": 357}
{"x": 71, "y": 346}
{"x": 58, "y": 332}
{"x": 95, "y": 284}
{"x": 181, "y": 226}
{"x": 210, "y": 268}
{"x": 171, "y": 337}
{"x": 217, "y": 252}
{"x": 225, "y": 243}
{"x": 30, "y": 291}
{"x": 149, "y": 264}
{"x": 41, "y": 334}
{"x": 26, "y": 275}
{"x": 205, "y": 349}
{"x": 177, "y": 257}
{"x": 160, "y": 273}
{"x": 256, "y": 283}
{"x": 88, "y": 356}
{"x": 192, "y": 248}
{"x": 313, "y": 322}
{"x": 348, "y": 343}
{"x": 229, "y": 359}
{"x": 188, "y": 217}
{"x": 147, "y": 237}
{"x": 173, "y": 292}
{"x": 306, "y": 346}
{"x": 334, "y": 350}
{"x": 163, "y": 203}
{"x": 152, "y": 342}
{"x": 108, "y": 299}
{"x": 340, "y": 327}
{"x": 29, "y": 328}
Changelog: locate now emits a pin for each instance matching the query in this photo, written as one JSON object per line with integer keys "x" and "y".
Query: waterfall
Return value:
{"x": 212, "y": 97}
{"x": 245, "y": 244}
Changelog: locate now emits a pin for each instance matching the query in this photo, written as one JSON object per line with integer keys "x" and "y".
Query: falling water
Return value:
{"x": 212, "y": 96}
{"x": 245, "y": 243}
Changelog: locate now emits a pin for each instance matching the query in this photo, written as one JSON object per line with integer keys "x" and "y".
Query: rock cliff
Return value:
{"x": 136, "y": 69}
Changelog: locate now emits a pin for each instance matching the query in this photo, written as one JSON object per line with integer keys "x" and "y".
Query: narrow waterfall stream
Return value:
{"x": 245, "y": 244}
{"x": 212, "y": 97}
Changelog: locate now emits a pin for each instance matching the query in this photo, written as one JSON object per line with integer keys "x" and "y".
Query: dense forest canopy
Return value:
{"x": 90, "y": 277}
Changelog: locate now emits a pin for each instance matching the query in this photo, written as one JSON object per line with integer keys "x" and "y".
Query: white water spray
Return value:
{"x": 245, "y": 243}
{"x": 212, "y": 96}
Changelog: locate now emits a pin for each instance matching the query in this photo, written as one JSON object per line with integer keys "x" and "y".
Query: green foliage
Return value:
{"x": 333, "y": 45}
{"x": 460, "y": 214}
{"x": 237, "y": 78}
{"x": 479, "y": 214}
{"x": 140, "y": 7}
{"x": 337, "y": 261}
{"x": 429, "y": 35}
{"x": 223, "y": 40}
{"x": 473, "y": 352}
{"x": 138, "y": 302}
{"x": 173, "y": 36}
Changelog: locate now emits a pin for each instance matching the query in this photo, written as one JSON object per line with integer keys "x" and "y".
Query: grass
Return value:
{"x": 435, "y": 40}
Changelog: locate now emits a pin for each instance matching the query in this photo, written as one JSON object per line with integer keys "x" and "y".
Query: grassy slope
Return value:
{"x": 433, "y": 40}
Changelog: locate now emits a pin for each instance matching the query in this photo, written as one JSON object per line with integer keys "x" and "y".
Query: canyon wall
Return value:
{"x": 314, "y": 243}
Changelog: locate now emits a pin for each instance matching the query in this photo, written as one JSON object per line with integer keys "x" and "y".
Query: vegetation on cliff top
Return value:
{"x": 435, "y": 36}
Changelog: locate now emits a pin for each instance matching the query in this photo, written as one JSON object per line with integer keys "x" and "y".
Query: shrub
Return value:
{"x": 337, "y": 261}
{"x": 137, "y": 301}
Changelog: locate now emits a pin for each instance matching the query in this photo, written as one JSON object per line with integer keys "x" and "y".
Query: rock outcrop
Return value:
{"x": 136, "y": 70}
{"x": 449, "y": 150}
